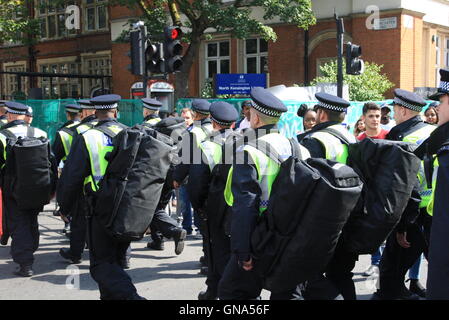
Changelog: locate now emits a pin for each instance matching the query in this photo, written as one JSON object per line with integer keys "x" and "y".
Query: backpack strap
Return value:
{"x": 262, "y": 145}
{"x": 69, "y": 131}
{"x": 30, "y": 132}
{"x": 337, "y": 134}
{"x": 9, "y": 134}
{"x": 107, "y": 131}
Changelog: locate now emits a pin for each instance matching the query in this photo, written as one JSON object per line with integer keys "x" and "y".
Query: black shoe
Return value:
{"x": 407, "y": 295}
{"x": 207, "y": 295}
{"x": 135, "y": 296}
{"x": 67, "y": 254}
{"x": 24, "y": 271}
{"x": 155, "y": 245}
{"x": 416, "y": 288}
{"x": 204, "y": 270}
{"x": 179, "y": 237}
{"x": 125, "y": 264}
{"x": 203, "y": 261}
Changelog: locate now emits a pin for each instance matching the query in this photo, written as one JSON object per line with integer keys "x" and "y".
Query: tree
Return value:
{"x": 369, "y": 86}
{"x": 230, "y": 17}
{"x": 15, "y": 21}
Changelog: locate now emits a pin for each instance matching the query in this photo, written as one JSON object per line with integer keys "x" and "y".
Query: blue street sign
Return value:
{"x": 239, "y": 83}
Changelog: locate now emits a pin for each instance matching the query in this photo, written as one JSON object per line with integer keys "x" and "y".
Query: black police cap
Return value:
{"x": 201, "y": 106}
{"x": 106, "y": 102}
{"x": 331, "y": 102}
{"x": 408, "y": 100}
{"x": 443, "y": 87}
{"x": 223, "y": 113}
{"x": 16, "y": 108}
{"x": 267, "y": 103}
{"x": 151, "y": 104}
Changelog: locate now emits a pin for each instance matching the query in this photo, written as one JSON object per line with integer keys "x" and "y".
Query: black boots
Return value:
{"x": 67, "y": 254}
{"x": 24, "y": 271}
{"x": 416, "y": 288}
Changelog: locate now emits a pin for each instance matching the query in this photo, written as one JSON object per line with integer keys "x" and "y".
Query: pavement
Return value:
{"x": 157, "y": 275}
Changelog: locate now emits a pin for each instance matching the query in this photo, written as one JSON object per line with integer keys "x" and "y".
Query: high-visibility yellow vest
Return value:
{"x": 86, "y": 126}
{"x": 417, "y": 137}
{"x": 334, "y": 149}
{"x": 267, "y": 168}
{"x": 67, "y": 139}
{"x": 153, "y": 121}
{"x": 98, "y": 145}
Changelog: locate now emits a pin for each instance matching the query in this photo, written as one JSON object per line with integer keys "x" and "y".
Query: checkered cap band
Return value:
{"x": 444, "y": 85}
{"x": 72, "y": 110}
{"x": 221, "y": 123}
{"x": 331, "y": 107}
{"x": 407, "y": 105}
{"x": 266, "y": 111}
{"x": 16, "y": 112}
{"x": 106, "y": 106}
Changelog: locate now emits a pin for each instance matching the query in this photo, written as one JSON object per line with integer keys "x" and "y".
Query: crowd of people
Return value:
{"x": 223, "y": 172}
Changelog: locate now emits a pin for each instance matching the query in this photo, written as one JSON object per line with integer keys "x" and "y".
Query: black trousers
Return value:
{"x": 78, "y": 227}
{"x": 220, "y": 252}
{"x": 105, "y": 254}
{"x": 24, "y": 231}
{"x": 396, "y": 260}
{"x": 339, "y": 271}
{"x": 162, "y": 225}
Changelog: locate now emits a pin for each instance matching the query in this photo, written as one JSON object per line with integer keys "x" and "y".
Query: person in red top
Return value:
{"x": 371, "y": 118}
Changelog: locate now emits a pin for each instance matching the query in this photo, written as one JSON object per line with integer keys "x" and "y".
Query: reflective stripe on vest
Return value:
{"x": 199, "y": 134}
{"x": 20, "y": 131}
{"x": 66, "y": 140}
{"x": 417, "y": 137}
{"x": 3, "y": 122}
{"x": 436, "y": 164}
{"x": 86, "y": 126}
{"x": 98, "y": 145}
{"x": 335, "y": 150}
{"x": 153, "y": 121}
{"x": 267, "y": 169}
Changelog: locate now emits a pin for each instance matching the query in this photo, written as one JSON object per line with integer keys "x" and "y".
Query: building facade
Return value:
{"x": 409, "y": 38}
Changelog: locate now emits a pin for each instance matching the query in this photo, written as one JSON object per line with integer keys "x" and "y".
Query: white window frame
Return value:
{"x": 258, "y": 55}
{"x": 45, "y": 16}
{"x": 437, "y": 60}
{"x": 446, "y": 52}
{"x": 217, "y": 58}
{"x": 96, "y": 5}
{"x": 11, "y": 79}
{"x": 57, "y": 82}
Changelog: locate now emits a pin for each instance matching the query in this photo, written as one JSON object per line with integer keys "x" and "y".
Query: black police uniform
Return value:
{"x": 22, "y": 225}
{"x": 438, "y": 277}
{"x": 106, "y": 253}
{"x": 396, "y": 261}
{"x": 218, "y": 240}
{"x": 237, "y": 283}
{"x": 58, "y": 146}
{"x": 338, "y": 274}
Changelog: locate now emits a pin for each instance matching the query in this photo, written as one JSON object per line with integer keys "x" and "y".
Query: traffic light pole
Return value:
{"x": 340, "y": 32}
{"x": 143, "y": 39}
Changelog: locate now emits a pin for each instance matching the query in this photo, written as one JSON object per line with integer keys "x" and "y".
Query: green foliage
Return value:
{"x": 15, "y": 22}
{"x": 369, "y": 86}
{"x": 207, "y": 91}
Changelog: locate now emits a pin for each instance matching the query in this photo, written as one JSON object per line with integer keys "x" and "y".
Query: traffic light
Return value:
{"x": 354, "y": 65}
{"x": 137, "y": 65}
{"x": 154, "y": 56}
{"x": 172, "y": 49}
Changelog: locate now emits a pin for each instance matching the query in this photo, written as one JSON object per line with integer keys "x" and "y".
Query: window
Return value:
{"x": 52, "y": 19}
{"x": 437, "y": 60}
{"x": 217, "y": 58}
{"x": 256, "y": 56}
{"x": 446, "y": 53}
{"x": 95, "y": 13}
{"x": 61, "y": 88}
{"x": 11, "y": 81}
{"x": 98, "y": 65}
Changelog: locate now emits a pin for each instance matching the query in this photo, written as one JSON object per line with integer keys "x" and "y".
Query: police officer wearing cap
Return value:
{"x": 29, "y": 116}
{"x": 84, "y": 168}
{"x": 88, "y": 118}
{"x": 151, "y": 111}
{"x": 247, "y": 192}
{"x": 406, "y": 242}
{"x": 215, "y": 165}
{"x": 64, "y": 136}
{"x": 329, "y": 139}
{"x": 22, "y": 225}
{"x": 3, "y": 117}
{"x": 435, "y": 152}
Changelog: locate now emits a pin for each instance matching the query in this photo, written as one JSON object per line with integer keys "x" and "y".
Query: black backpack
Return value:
{"x": 389, "y": 170}
{"x": 309, "y": 205}
{"x": 131, "y": 187}
{"x": 29, "y": 176}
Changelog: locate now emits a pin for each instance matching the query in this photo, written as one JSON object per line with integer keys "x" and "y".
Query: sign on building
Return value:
{"x": 239, "y": 83}
{"x": 385, "y": 23}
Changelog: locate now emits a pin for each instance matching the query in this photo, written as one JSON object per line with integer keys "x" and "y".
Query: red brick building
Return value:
{"x": 410, "y": 38}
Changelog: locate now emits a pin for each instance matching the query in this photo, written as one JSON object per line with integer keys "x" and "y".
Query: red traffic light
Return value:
{"x": 173, "y": 33}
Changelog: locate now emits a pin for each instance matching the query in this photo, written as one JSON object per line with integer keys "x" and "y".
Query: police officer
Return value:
{"x": 329, "y": 139}
{"x": 151, "y": 111}
{"x": 85, "y": 167}
{"x": 247, "y": 192}
{"x": 438, "y": 144}
{"x": 223, "y": 115}
{"x": 3, "y": 117}
{"x": 162, "y": 225}
{"x": 190, "y": 152}
{"x": 22, "y": 225}
{"x": 88, "y": 118}
{"x": 406, "y": 243}
{"x": 64, "y": 136}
